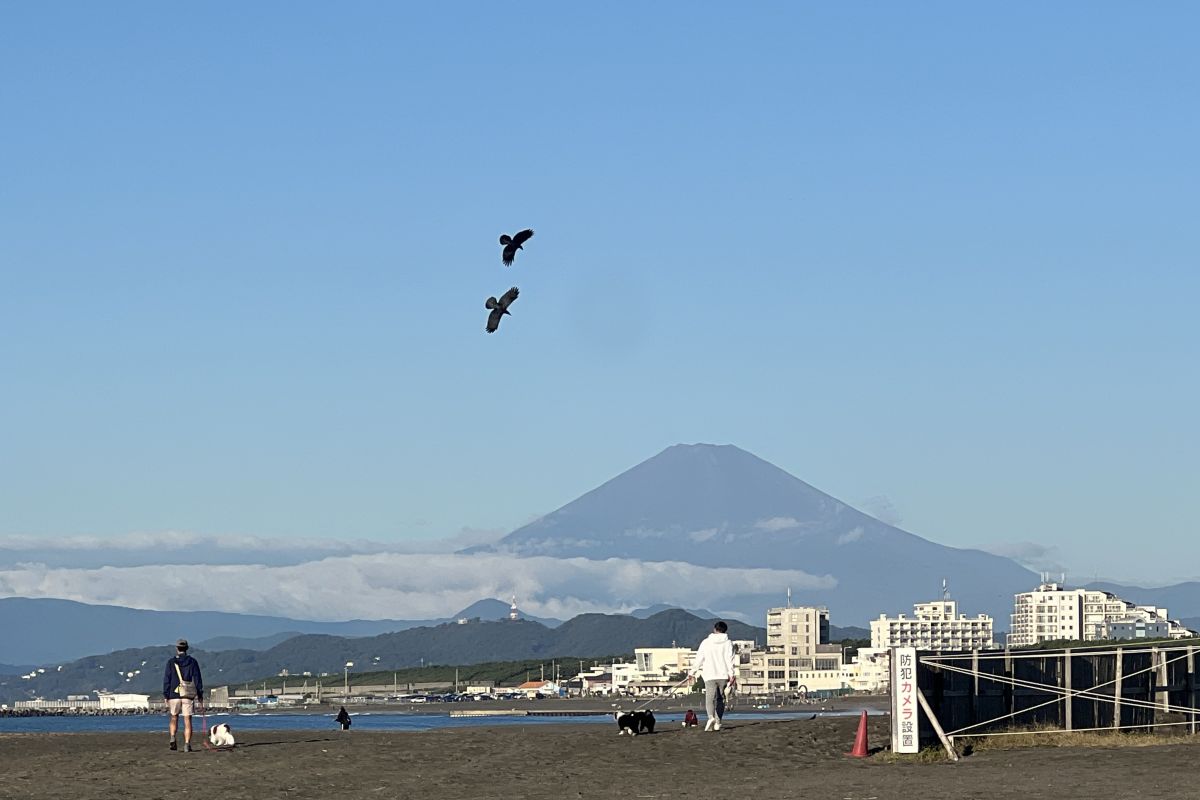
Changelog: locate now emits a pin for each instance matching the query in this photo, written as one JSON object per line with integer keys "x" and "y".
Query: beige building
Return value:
{"x": 936, "y": 626}
{"x": 798, "y": 656}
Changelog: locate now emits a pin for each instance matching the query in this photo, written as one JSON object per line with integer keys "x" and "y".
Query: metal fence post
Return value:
{"x": 1120, "y": 665}
{"x": 1066, "y": 673}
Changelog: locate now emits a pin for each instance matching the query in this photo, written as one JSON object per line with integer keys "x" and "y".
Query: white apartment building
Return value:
{"x": 869, "y": 670}
{"x": 936, "y": 625}
{"x": 663, "y": 662}
{"x": 114, "y": 700}
{"x": 1051, "y": 613}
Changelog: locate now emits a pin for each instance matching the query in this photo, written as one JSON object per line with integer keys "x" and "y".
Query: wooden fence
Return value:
{"x": 1125, "y": 688}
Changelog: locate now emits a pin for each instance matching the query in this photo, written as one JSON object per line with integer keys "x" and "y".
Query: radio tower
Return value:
{"x": 513, "y": 614}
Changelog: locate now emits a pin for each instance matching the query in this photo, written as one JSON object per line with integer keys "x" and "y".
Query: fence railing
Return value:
{"x": 1074, "y": 689}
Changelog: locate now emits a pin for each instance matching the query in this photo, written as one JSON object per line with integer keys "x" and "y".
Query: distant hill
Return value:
{"x": 497, "y": 609}
{"x": 837, "y": 634}
{"x": 49, "y": 631}
{"x": 448, "y": 643}
{"x": 219, "y": 643}
{"x": 643, "y": 613}
{"x": 719, "y": 506}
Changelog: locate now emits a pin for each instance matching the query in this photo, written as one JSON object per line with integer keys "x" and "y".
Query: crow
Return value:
{"x": 499, "y": 308}
{"x": 512, "y": 244}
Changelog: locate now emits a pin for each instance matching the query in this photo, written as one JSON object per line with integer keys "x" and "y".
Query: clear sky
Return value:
{"x": 939, "y": 253}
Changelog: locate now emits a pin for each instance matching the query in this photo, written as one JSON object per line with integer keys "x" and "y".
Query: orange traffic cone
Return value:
{"x": 860, "y": 740}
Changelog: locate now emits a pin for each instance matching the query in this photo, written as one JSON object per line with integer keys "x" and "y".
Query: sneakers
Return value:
{"x": 173, "y": 745}
{"x": 187, "y": 747}
{"x": 717, "y": 725}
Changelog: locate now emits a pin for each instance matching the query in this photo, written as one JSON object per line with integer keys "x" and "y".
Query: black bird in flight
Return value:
{"x": 512, "y": 244}
{"x": 499, "y": 308}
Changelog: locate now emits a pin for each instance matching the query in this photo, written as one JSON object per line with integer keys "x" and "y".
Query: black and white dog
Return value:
{"x": 221, "y": 735}
{"x": 635, "y": 722}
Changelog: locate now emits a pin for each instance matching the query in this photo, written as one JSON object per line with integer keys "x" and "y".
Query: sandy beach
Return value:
{"x": 761, "y": 758}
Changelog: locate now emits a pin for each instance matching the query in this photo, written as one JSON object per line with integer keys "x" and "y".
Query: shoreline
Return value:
{"x": 777, "y": 759}
{"x": 549, "y": 706}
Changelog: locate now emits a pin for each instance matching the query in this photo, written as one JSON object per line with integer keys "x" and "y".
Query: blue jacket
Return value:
{"x": 190, "y": 670}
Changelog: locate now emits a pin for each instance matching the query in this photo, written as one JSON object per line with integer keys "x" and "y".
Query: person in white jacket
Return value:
{"x": 716, "y": 664}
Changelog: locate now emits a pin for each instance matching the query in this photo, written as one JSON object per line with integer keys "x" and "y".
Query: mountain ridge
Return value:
{"x": 140, "y": 669}
{"x": 48, "y": 630}
{"x": 720, "y": 506}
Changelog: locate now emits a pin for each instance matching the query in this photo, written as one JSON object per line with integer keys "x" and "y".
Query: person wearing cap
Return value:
{"x": 183, "y": 687}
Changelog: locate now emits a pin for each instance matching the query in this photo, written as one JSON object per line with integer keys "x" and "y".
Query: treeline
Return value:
{"x": 498, "y": 673}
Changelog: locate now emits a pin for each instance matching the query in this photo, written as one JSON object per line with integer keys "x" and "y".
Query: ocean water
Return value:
{"x": 363, "y": 721}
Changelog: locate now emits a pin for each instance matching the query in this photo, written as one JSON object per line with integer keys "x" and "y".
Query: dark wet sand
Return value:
{"x": 759, "y": 760}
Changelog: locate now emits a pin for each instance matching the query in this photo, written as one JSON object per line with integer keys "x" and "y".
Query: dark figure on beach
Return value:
{"x": 343, "y": 719}
{"x": 512, "y": 244}
{"x": 183, "y": 689}
{"x": 690, "y": 720}
{"x": 499, "y": 308}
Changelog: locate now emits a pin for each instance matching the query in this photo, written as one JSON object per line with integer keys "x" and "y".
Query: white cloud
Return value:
{"x": 403, "y": 586}
{"x": 777, "y": 524}
{"x": 850, "y": 536}
{"x": 180, "y": 547}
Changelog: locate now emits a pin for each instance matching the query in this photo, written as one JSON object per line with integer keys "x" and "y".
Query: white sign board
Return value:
{"x": 905, "y": 738}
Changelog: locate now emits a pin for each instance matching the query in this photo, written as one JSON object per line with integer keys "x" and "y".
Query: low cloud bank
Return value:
{"x": 394, "y": 585}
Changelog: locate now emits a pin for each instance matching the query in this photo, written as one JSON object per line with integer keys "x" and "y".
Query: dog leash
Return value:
{"x": 644, "y": 706}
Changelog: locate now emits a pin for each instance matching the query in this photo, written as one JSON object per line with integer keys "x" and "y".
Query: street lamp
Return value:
{"x": 349, "y": 664}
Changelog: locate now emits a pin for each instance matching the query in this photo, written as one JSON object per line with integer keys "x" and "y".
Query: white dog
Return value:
{"x": 221, "y": 735}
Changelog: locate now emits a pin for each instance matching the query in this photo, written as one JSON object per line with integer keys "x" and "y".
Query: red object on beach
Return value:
{"x": 860, "y": 740}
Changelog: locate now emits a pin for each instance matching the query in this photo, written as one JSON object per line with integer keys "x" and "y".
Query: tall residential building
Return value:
{"x": 797, "y": 630}
{"x": 798, "y": 655}
{"x": 936, "y": 625}
{"x": 1051, "y": 613}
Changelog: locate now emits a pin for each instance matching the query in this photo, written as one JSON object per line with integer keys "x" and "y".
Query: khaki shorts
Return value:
{"x": 180, "y": 706}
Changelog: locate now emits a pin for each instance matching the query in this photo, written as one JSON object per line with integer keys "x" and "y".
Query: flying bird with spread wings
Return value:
{"x": 499, "y": 308}
{"x": 513, "y": 243}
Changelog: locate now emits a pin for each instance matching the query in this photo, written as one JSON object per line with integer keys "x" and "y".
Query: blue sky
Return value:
{"x": 939, "y": 253}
